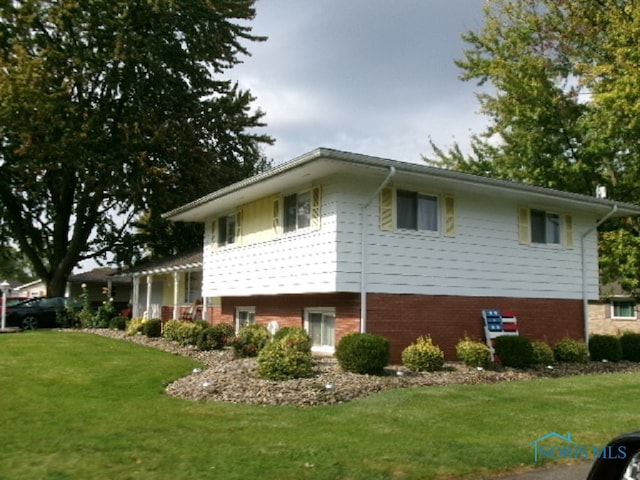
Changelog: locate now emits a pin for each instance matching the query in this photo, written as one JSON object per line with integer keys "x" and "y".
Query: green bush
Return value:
{"x": 542, "y": 353}
{"x": 185, "y": 333}
{"x": 630, "y": 343}
{"x": 605, "y": 347}
{"x": 473, "y": 353}
{"x": 287, "y": 358}
{"x": 105, "y": 312}
{"x": 283, "y": 332}
{"x": 250, "y": 340}
{"x": 571, "y": 351}
{"x": 119, "y": 322}
{"x": 363, "y": 353}
{"x": 216, "y": 337}
{"x": 423, "y": 356}
{"x": 135, "y": 325}
{"x": 152, "y": 328}
{"x": 514, "y": 351}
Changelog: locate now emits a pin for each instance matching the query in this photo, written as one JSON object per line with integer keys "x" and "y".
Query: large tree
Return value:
{"x": 561, "y": 91}
{"x": 113, "y": 107}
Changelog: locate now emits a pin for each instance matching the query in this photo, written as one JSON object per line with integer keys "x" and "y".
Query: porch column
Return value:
{"x": 176, "y": 281}
{"x": 205, "y": 313}
{"x": 148, "y": 309}
{"x": 135, "y": 299}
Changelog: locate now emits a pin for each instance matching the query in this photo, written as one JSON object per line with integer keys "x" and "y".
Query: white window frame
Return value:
{"x": 231, "y": 219}
{"x": 290, "y": 227}
{"x": 418, "y": 196}
{"x": 251, "y": 313}
{"x": 623, "y": 300}
{"x": 552, "y": 236}
{"x": 324, "y": 348}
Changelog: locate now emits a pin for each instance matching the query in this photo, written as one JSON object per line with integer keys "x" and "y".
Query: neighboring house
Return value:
{"x": 167, "y": 288}
{"x": 100, "y": 285}
{"x": 339, "y": 242}
{"x": 35, "y": 288}
{"x": 614, "y": 313}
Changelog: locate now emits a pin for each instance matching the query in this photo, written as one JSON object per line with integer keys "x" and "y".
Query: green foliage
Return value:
{"x": 423, "y": 356}
{"x": 473, "y": 353}
{"x": 514, "y": 351}
{"x": 119, "y": 322}
{"x": 562, "y": 108}
{"x": 287, "y": 357}
{"x": 104, "y": 314}
{"x": 185, "y": 333}
{"x": 216, "y": 337}
{"x": 152, "y": 328}
{"x": 135, "y": 325}
{"x": 363, "y": 353}
{"x": 89, "y": 97}
{"x": 571, "y": 350}
{"x": 250, "y": 340}
{"x": 542, "y": 353}
{"x": 630, "y": 343}
{"x": 605, "y": 347}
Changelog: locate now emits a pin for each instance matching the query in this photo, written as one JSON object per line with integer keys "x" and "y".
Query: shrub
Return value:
{"x": 542, "y": 353}
{"x": 287, "y": 358}
{"x": 284, "y": 331}
{"x": 514, "y": 351}
{"x": 135, "y": 325}
{"x": 423, "y": 356}
{"x": 216, "y": 337}
{"x": 104, "y": 313}
{"x": 473, "y": 353}
{"x": 363, "y": 353}
{"x": 605, "y": 347}
{"x": 152, "y": 328}
{"x": 118, "y": 322}
{"x": 630, "y": 343}
{"x": 250, "y": 340}
{"x": 171, "y": 330}
{"x": 185, "y": 333}
{"x": 571, "y": 351}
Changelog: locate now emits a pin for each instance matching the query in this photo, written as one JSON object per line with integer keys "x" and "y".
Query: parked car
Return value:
{"x": 13, "y": 300}
{"x": 39, "y": 312}
{"x": 620, "y": 459}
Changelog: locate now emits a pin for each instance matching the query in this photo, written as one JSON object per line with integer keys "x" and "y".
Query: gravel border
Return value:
{"x": 226, "y": 379}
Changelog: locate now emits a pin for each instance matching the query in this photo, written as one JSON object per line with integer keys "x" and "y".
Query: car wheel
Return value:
{"x": 29, "y": 323}
{"x": 632, "y": 469}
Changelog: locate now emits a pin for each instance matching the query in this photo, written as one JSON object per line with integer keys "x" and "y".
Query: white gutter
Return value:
{"x": 585, "y": 300}
{"x": 363, "y": 253}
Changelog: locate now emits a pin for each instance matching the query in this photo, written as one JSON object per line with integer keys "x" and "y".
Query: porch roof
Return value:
{"x": 186, "y": 262}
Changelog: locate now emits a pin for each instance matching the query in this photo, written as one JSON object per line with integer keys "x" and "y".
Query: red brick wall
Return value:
{"x": 288, "y": 310}
{"x": 402, "y": 318}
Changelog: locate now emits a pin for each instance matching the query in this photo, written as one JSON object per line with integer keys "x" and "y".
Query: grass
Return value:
{"x": 76, "y": 406}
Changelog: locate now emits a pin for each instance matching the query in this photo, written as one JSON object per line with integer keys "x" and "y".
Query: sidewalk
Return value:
{"x": 578, "y": 471}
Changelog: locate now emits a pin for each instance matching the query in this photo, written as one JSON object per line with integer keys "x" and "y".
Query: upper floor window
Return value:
{"x": 227, "y": 230}
{"x": 545, "y": 227}
{"x": 297, "y": 211}
{"x": 542, "y": 227}
{"x": 416, "y": 211}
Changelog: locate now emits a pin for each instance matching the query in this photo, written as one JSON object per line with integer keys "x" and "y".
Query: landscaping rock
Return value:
{"x": 226, "y": 379}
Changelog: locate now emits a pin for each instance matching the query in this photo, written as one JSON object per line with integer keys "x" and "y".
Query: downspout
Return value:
{"x": 585, "y": 300}
{"x": 363, "y": 253}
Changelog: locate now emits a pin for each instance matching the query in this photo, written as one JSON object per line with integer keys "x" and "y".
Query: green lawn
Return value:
{"x": 78, "y": 406}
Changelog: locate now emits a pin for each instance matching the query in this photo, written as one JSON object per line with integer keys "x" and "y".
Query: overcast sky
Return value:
{"x": 367, "y": 76}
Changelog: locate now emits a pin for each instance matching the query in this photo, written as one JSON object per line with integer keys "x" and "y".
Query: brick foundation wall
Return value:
{"x": 288, "y": 310}
{"x": 402, "y": 318}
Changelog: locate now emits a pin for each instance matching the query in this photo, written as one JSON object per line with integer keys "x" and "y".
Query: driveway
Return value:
{"x": 578, "y": 471}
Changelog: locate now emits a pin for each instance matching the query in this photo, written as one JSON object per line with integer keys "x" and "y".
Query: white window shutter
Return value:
{"x": 276, "y": 216}
{"x": 524, "y": 234}
{"x": 239, "y": 227}
{"x": 449, "y": 216}
{"x": 213, "y": 239}
{"x": 386, "y": 209}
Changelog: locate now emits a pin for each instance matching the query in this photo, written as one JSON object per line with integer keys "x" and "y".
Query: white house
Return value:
{"x": 340, "y": 242}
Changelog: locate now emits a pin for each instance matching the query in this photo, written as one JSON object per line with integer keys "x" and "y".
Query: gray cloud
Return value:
{"x": 371, "y": 76}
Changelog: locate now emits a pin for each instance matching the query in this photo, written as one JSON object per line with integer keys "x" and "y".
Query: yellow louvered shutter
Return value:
{"x": 214, "y": 231}
{"x": 449, "y": 216}
{"x": 386, "y": 209}
{"x": 568, "y": 231}
{"x": 239, "y": 227}
{"x": 276, "y": 216}
{"x": 316, "y": 204}
{"x": 524, "y": 235}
